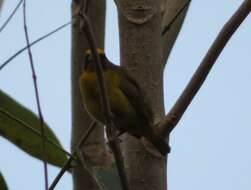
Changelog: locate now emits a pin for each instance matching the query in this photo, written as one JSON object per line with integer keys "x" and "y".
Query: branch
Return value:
{"x": 68, "y": 163}
{"x": 177, "y": 111}
{"x": 11, "y": 15}
{"x": 33, "y": 43}
{"x": 61, "y": 173}
{"x": 37, "y": 97}
{"x": 1, "y": 3}
{"x": 169, "y": 25}
{"x": 172, "y": 21}
{"x": 110, "y": 128}
{"x": 84, "y": 166}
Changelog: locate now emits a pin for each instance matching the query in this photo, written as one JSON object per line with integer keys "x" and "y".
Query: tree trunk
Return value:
{"x": 95, "y": 146}
{"x": 144, "y": 51}
{"x": 1, "y": 3}
{"x": 141, "y": 52}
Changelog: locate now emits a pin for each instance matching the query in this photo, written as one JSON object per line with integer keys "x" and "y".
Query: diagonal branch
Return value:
{"x": 85, "y": 167}
{"x": 37, "y": 97}
{"x": 11, "y": 15}
{"x": 110, "y": 128}
{"x": 177, "y": 111}
{"x": 69, "y": 161}
{"x": 169, "y": 25}
{"x": 33, "y": 43}
{"x": 66, "y": 166}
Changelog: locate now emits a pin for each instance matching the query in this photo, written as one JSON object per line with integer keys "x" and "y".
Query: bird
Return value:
{"x": 131, "y": 111}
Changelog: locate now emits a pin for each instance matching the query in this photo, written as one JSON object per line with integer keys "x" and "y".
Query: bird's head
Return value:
{"x": 90, "y": 65}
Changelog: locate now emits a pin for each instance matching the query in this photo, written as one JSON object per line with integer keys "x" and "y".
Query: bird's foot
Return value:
{"x": 150, "y": 148}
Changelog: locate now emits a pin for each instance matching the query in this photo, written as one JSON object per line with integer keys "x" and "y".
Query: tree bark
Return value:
{"x": 144, "y": 51}
{"x": 95, "y": 146}
{"x": 141, "y": 52}
{"x": 1, "y": 3}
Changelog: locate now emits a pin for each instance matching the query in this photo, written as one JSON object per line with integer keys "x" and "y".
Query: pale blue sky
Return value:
{"x": 210, "y": 146}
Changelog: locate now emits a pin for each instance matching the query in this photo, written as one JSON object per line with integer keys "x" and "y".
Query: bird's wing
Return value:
{"x": 135, "y": 95}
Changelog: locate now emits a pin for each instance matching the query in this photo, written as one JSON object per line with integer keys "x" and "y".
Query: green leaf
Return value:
{"x": 22, "y": 127}
{"x": 3, "y": 184}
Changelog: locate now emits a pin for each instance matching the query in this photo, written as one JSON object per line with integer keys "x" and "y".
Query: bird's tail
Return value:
{"x": 159, "y": 143}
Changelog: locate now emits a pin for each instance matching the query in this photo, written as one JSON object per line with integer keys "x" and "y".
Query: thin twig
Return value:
{"x": 110, "y": 129}
{"x": 68, "y": 163}
{"x": 84, "y": 4}
{"x": 169, "y": 25}
{"x": 177, "y": 111}
{"x": 89, "y": 170}
{"x": 41, "y": 119}
{"x": 11, "y": 15}
{"x": 33, "y": 43}
{"x": 61, "y": 173}
{"x": 86, "y": 135}
{"x": 114, "y": 145}
{"x": 101, "y": 84}
{"x": 28, "y": 127}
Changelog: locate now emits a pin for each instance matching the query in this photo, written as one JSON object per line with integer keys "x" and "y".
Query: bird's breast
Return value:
{"x": 90, "y": 92}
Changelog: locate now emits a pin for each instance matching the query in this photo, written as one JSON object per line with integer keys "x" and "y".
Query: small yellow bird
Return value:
{"x": 131, "y": 112}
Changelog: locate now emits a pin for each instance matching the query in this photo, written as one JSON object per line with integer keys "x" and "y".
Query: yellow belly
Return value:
{"x": 118, "y": 101}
